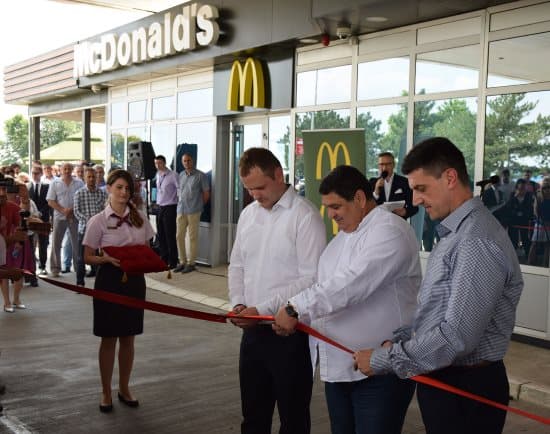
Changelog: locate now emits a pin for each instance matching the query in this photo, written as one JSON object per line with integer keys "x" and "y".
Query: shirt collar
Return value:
{"x": 452, "y": 222}
{"x": 108, "y": 211}
{"x": 286, "y": 199}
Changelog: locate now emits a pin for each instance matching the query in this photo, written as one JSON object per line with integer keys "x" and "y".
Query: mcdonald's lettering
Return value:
{"x": 332, "y": 157}
{"x": 246, "y": 85}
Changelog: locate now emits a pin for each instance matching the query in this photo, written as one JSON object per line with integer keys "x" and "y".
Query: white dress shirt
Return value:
{"x": 367, "y": 286}
{"x": 275, "y": 253}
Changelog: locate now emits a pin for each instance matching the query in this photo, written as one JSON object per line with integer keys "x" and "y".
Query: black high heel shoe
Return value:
{"x": 129, "y": 402}
{"x": 106, "y": 408}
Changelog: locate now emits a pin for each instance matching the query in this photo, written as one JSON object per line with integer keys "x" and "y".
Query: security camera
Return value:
{"x": 343, "y": 32}
{"x": 96, "y": 88}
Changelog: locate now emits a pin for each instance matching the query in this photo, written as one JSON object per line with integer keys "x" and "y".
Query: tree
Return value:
{"x": 53, "y": 131}
{"x": 16, "y": 148}
{"x": 372, "y": 140}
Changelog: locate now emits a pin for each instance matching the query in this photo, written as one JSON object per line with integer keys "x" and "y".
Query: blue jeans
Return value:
{"x": 375, "y": 405}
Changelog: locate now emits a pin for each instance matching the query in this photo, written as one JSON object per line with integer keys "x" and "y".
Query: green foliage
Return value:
{"x": 16, "y": 148}
{"x": 117, "y": 149}
{"x": 53, "y": 131}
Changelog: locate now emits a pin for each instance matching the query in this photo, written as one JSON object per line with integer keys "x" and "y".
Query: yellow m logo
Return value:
{"x": 246, "y": 85}
{"x": 333, "y": 161}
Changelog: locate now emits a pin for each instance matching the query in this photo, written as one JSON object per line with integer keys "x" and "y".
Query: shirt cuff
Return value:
{"x": 300, "y": 307}
{"x": 376, "y": 196}
{"x": 380, "y": 361}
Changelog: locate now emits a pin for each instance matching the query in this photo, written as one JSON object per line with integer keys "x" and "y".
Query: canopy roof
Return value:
{"x": 71, "y": 149}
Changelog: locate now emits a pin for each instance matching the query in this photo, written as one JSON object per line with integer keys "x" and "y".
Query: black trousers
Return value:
{"x": 166, "y": 232}
{"x": 275, "y": 369}
{"x": 446, "y": 413}
{"x": 42, "y": 241}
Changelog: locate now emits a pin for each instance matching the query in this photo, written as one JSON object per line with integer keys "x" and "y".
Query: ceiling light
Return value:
{"x": 308, "y": 40}
{"x": 376, "y": 19}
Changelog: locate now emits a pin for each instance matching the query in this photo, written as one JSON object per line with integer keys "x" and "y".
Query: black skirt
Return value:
{"x": 111, "y": 319}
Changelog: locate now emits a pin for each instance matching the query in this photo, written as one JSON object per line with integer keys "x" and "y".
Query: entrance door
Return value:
{"x": 245, "y": 133}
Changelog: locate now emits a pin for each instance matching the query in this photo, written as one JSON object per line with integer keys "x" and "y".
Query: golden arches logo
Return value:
{"x": 246, "y": 85}
{"x": 333, "y": 161}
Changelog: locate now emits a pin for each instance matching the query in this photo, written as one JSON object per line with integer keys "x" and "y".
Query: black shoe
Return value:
{"x": 34, "y": 283}
{"x": 1, "y": 408}
{"x": 2, "y": 389}
{"x": 81, "y": 284}
{"x": 129, "y": 402}
{"x": 106, "y": 408}
{"x": 90, "y": 274}
{"x": 188, "y": 268}
{"x": 66, "y": 270}
{"x": 179, "y": 268}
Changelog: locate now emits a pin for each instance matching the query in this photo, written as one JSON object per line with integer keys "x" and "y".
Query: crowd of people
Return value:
{"x": 363, "y": 289}
{"x": 523, "y": 208}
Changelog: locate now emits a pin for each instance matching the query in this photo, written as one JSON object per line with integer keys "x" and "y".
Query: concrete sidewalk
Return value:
{"x": 528, "y": 366}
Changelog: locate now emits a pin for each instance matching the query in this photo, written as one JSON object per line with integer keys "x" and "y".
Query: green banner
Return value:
{"x": 323, "y": 151}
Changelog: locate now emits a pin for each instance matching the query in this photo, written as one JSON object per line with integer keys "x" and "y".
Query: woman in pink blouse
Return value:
{"x": 120, "y": 224}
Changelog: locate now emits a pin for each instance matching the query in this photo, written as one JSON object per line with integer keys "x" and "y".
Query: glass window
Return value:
{"x": 448, "y": 70}
{"x": 202, "y": 134}
{"x": 385, "y": 130}
{"x": 137, "y": 111}
{"x": 195, "y": 103}
{"x": 334, "y": 85}
{"x": 324, "y": 119}
{"x": 452, "y": 118}
{"x": 384, "y": 78}
{"x": 118, "y": 113}
{"x": 518, "y": 60}
{"x": 279, "y": 141}
{"x": 163, "y": 138}
{"x": 164, "y": 107}
{"x": 305, "y": 88}
{"x": 517, "y": 138}
{"x": 138, "y": 134}
{"x": 117, "y": 148}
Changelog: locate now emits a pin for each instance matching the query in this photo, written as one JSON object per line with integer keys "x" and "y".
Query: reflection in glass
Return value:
{"x": 324, "y": 119}
{"x": 334, "y": 85}
{"x": 454, "y": 119}
{"x": 138, "y": 134}
{"x": 202, "y": 134}
{"x": 118, "y": 113}
{"x": 137, "y": 111}
{"x": 163, "y": 138}
{"x": 305, "y": 88}
{"x": 117, "y": 148}
{"x": 447, "y": 70}
{"x": 385, "y": 130}
{"x": 194, "y": 103}
{"x": 279, "y": 140}
{"x": 383, "y": 78}
{"x": 517, "y": 137}
{"x": 518, "y": 60}
{"x": 164, "y": 107}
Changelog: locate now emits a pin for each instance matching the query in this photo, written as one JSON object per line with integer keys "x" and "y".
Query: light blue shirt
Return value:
{"x": 63, "y": 194}
{"x": 467, "y": 301}
{"x": 190, "y": 191}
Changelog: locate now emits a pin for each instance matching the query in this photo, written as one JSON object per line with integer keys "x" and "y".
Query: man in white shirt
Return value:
{"x": 367, "y": 282}
{"x": 280, "y": 237}
{"x": 61, "y": 198}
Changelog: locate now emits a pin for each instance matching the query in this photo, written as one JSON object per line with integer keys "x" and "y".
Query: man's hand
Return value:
{"x": 379, "y": 184}
{"x": 284, "y": 324}
{"x": 401, "y": 212}
{"x": 361, "y": 361}
{"x": 244, "y": 311}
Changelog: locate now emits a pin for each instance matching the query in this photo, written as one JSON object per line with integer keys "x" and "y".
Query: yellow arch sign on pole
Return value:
{"x": 246, "y": 85}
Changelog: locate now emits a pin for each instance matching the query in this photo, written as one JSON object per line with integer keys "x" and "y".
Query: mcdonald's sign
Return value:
{"x": 323, "y": 151}
{"x": 246, "y": 85}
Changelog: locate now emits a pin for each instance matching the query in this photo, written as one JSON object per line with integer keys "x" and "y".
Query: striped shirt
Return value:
{"x": 467, "y": 300}
{"x": 87, "y": 204}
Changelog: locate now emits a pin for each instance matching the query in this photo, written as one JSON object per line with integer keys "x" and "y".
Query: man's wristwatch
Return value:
{"x": 289, "y": 309}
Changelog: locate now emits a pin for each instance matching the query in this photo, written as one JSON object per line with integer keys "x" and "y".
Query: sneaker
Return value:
{"x": 55, "y": 273}
{"x": 188, "y": 268}
{"x": 43, "y": 272}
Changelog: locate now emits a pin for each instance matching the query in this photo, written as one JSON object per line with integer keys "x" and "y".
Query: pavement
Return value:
{"x": 528, "y": 365}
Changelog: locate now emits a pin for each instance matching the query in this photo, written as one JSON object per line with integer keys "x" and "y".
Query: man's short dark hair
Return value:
{"x": 435, "y": 155}
{"x": 261, "y": 158}
{"x": 345, "y": 181}
{"x": 161, "y": 158}
{"x": 386, "y": 154}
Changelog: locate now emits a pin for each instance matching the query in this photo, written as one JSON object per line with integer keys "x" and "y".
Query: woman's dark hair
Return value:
{"x": 435, "y": 155}
{"x": 261, "y": 158}
{"x": 135, "y": 216}
{"x": 345, "y": 181}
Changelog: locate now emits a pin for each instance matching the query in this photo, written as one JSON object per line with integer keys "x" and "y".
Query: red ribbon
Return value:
{"x": 222, "y": 318}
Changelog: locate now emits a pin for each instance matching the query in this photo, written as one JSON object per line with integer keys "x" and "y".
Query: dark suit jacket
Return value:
{"x": 40, "y": 200}
{"x": 400, "y": 190}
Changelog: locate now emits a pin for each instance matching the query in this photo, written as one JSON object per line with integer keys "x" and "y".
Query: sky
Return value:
{"x": 32, "y": 27}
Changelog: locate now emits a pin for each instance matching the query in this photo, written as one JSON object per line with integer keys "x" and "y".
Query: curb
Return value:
{"x": 523, "y": 390}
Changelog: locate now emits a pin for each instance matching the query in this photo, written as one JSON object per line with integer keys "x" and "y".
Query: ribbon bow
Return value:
{"x": 122, "y": 220}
